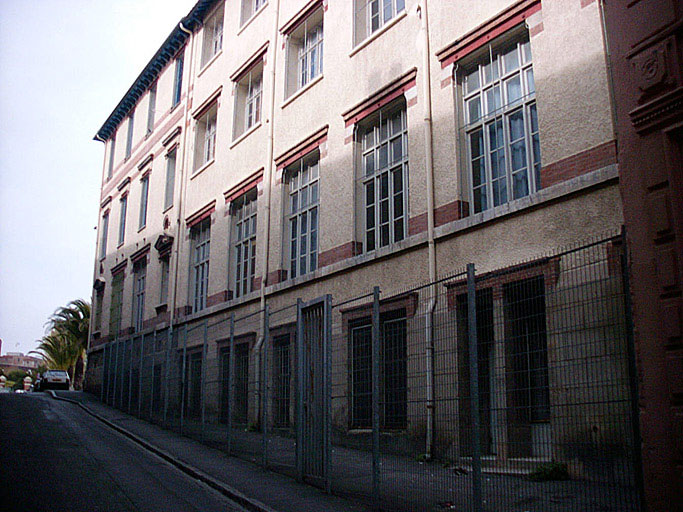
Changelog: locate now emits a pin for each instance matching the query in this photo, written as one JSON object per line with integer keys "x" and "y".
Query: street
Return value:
{"x": 55, "y": 457}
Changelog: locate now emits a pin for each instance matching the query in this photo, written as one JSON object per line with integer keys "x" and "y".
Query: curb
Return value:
{"x": 229, "y": 492}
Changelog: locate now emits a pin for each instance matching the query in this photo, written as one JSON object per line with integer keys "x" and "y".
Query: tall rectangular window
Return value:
{"x": 282, "y": 379}
{"x": 115, "y": 308}
{"x": 165, "y": 272}
{"x": 144, "y": 193}
{"x": 248, "y": 100}
{"x": 244, "y": 243}
{"x": 371, "y": 15}
{"x": 205, "y": 138}
{"x": 170, "y": 179}
{"x": 99, "y": 300}
{"x": 384, "y": 174}
{"x": 249, "y": 8}
{"x": 151, "y": 107}
{"x": 139, "y": 282}
{"x": 178, "y": 80}
{"x": 213, "y": 36}
{"x": 112, "y": 148}
{"x": 123, "y": 203}
{"x": 103, "y": 235}
{"x": 501, "y": 125}
{"x": 302, "y": 215}
{"x": 304, "y": 52}
{"x": 201, "y": 241}
{"x": 129, "y": 138}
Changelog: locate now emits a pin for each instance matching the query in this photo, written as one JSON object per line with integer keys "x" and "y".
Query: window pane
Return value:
{"x": 518, "y": 150}
{"x": 370, "y": 163}
{"x": 520, "y": 184}
{"x": 388, "y": 14}
{"x": 472, "y": 81}
{"x": 383, "y": 156}
{"x": 398, "y": 230}
{"x": 511, "y": 59}
{"x": 479, "y": 199}
{"x": 474, "y": 109}
{"x": 396, "y": 149}
{"x": 513, "y": 88}
{"x": 531, "y": 85}
{"x": 526, "y": 51}
{"x": 491, "y": 71}
{"x": 516, "y": 125}
{"x": 493, "y": 99}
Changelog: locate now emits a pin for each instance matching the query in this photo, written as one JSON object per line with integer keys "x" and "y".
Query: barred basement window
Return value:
{"x": 282, "y": 380}
{"x": 384, "y": 176}
{"x": 501, "y": 125}
{"x": 244, "y": 243}
{"x": 139, "y": 283}
{"x": 201, "y": 240}
{"x": 240, "y": 383}
{"x": 302, "y": 218}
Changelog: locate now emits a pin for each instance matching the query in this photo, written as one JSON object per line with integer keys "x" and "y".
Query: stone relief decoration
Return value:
{"x": 653, "y": 68}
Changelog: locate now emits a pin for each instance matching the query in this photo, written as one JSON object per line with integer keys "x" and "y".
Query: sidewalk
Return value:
{"x": 253, "y": 487}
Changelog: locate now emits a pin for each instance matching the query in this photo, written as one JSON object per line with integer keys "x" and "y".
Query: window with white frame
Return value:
{"x": 139, "y": 283}
{"x": 178, "y": 80}
{"x": 170, "y": 178}
{"x": 112, "y": 149}
{"x": 144, "y": 194}
{"x": 205, "y": 137}
{"x": 371, "y": 15}
{"x": 248, "y": 100}
{"x": 213, "y": 35}
{"x": 151, "y": 107}
{"x": 501, "y": 125}
{"x": 383, "y": 147}
{"x": 129, "y": 138}
{"x": 305, "y": 52}
{"x": 200, "y": 236}
{"x": 301, "y": 223}
{"x": 243, "y": 243}
{"x": 104, "y": 233}
{"x": 249, "y": 8}
{"x": 123, "y": 207}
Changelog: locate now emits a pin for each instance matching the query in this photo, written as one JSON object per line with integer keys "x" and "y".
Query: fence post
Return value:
{"x": 167, "y": 372}
{"x": 183, "y": 384}
{"x": 474, "y": 387}
{"x": 327, "y": 358}
{"x": 264, "y": 387}
{"x": 117, "y": 379}
{"x": 203, "y": 385}
{"x": 375, "y": 357}
{"x": 632, "y": 374}
{"x": 151, "y": 386}
{"x": 140, "y": 368}
{"x": 130, "y": 373}
{"x": 231, "y": 380}
{"x": 299, "y": 391}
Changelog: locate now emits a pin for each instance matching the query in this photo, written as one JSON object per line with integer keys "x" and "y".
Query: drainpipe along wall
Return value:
{"x": 267, "y": 179}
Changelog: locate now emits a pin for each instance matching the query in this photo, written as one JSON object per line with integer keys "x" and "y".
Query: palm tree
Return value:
{"x": 65, "y": 345}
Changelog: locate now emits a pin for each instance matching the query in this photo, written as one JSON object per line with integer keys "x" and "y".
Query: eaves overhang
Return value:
{"x": 168, "y": 50}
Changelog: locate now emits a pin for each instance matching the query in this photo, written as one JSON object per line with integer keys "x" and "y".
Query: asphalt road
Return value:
{"x": 54, "y": 457}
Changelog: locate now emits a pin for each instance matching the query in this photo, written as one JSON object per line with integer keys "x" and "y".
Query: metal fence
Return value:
{"x": 374, "y": 396}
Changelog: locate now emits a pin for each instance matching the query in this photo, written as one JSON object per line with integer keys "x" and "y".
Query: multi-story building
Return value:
{"x": 286, "y": 149}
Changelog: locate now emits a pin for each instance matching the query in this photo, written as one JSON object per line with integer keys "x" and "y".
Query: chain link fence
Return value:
{"x": 507, "y": 389}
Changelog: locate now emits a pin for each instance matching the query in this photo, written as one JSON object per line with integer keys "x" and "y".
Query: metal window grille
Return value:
{"x": 244, "y": 243}
{"x": 140, "y": 278}
{"x": 123, "y": 206}
{"x": 240, "y": 382}
{"x": 144, "y": 194}
{"x": 384, "y": 163}
{"x": 310, "y": 54}
{"x": 303, "y": 215}
{"x": 501, "y": 126}
{"x": 201, "y": 241}
{"x": 170, "y": 179}
{"x": 282, "y": 380}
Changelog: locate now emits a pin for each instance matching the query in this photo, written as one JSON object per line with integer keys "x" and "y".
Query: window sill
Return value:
{"x": 166, "y": 209}
{"x": 251, "y": 18}
{"x": 209, "y": 62}
{"x": 161, "y": 308}
{"x": 202, "y": 168}
{"x": 120, "y": 245}
{"x": 245, "y": 135}
{"x": 142, "y": 228}
{"x": 299, "y": 92}
{"x": 377, "y": 33}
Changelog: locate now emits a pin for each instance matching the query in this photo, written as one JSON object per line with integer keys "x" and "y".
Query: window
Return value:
{"x": 302, "y": 215}
{"x": 152, "y": 105}
{"x": 115, "y": 308}
{"x": 139, "y": 281}
{"x": 384, "y": 174}
{"x": 282, "y": 380}
{"x": 165, "y": 271}
{"x": 240, "y": 383}
{"x": 205, "y": 138}
{"x": 122, "y": 219}
{"x": 178, "y": 80}
{"x": 213, "y": 35}
{"x": 103, "y": 235}
{"x": 170, "y": 179}
{"x": 112, "y": 148}
{"x": 393, "y": 372}
{"x": 248, "y": 100}
{"x": 99, "y": 300}
{"x": 249, "y": 8}
{"x": 244, "y": 243}
{"x": 370, "y": 15}
{"x": 201, "y": 239}
{"x": 129, "y": 138}
{"x": 144, "y": 193}
{"x": 501, "y": 126}
{"x": 305, "y": 52}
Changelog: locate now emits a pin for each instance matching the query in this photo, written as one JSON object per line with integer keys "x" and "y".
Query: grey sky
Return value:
{"x": 64, "y": 65}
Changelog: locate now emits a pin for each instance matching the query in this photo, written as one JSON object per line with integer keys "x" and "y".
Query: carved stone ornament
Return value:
{"x": 652, "y": 67}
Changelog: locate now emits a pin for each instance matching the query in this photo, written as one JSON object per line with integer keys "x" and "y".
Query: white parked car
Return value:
{"x": 54, "y": 379}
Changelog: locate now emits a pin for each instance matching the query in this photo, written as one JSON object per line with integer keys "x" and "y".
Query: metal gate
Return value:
{"x": 313, "y": 390}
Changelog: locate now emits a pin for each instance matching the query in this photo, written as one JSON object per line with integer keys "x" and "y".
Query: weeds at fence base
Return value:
{"x": 549, "y": 471}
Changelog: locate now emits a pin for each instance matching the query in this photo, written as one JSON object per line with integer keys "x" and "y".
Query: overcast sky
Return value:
{"x": 64, "y": 65}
